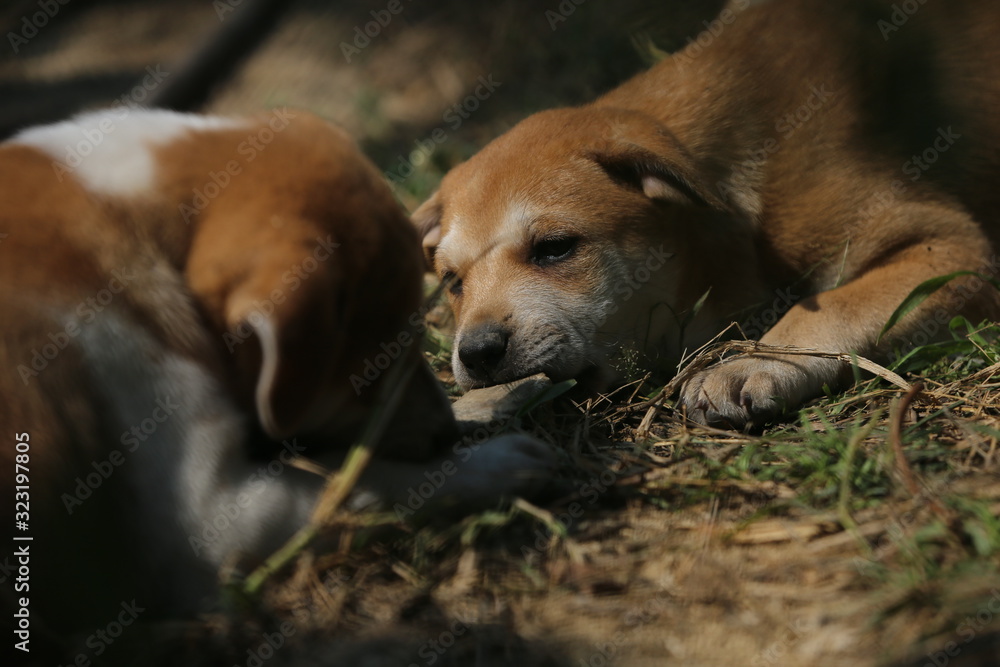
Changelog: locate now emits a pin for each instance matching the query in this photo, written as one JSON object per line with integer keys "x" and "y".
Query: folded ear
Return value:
{"x": 279, "y": 417}
{"x": 657, "y": 177}
{"x": 285, "y": 350}
{"x": 427, "y": 220}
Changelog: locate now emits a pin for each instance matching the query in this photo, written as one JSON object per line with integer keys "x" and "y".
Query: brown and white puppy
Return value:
{"x": 808, "y": 160}
{"x": 171, "y": 286}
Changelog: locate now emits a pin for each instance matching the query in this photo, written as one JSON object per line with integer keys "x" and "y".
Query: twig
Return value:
{"x": 340, "y": 484}
{"x": 712, "y": 351}
{"x": 896, "y": 440}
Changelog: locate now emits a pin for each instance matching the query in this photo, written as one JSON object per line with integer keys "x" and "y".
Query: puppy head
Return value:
{"x": 564, "y": 242}
{"x": 314, "y": 275}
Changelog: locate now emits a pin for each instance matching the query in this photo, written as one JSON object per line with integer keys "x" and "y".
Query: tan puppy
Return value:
{"x": 811, "y": 161}
{"x": 171, "y": 286}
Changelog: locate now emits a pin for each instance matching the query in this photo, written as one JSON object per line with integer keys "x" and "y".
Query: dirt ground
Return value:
{"x": 659, "y": 545}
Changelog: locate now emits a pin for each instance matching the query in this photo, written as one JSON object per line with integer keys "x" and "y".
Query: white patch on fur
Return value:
{"x": 186, "y": 463}
{"x": 109, "y": 151}
{"x": 462, "y": 251}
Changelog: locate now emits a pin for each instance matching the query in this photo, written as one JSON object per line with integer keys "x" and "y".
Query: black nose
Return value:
{"x": 482, "y": 351}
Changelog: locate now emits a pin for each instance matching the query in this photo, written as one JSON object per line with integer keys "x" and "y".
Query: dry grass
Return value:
{"x": 812, "y": 543}
{"x": 809, "y": 544}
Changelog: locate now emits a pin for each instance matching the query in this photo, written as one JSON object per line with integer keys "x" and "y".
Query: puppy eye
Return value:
{"x": 452, "y": 283}
{"x": 550, "y": 251}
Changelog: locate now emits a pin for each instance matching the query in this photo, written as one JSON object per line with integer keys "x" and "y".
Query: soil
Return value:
{"x": 660, "y": 563}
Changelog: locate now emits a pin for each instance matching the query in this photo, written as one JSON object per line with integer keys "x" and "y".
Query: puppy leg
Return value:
{"x": 756, "y": 388}
{"x": 472, "y": 477}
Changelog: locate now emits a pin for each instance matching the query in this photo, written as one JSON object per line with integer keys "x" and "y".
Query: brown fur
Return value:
{"x": 704, "y": 155}
{"x": 192, "y": 282}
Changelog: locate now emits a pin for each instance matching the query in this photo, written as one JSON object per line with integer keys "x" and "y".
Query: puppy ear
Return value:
{"x": 427, "y": 220}
{"x": 279, "y": 418}
{"x": 659, "y": 179}
{"x": 270, "y": 357}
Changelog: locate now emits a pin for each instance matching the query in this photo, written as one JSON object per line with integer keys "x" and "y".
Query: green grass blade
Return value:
{"x": 920, "y": 294}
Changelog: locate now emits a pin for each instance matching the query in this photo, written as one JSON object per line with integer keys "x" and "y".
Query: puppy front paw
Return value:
{"x": 751, "y": 391}
{"x": 506, "y": 466}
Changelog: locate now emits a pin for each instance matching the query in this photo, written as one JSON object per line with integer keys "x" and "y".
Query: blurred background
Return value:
{"x": 392, "y": 78}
